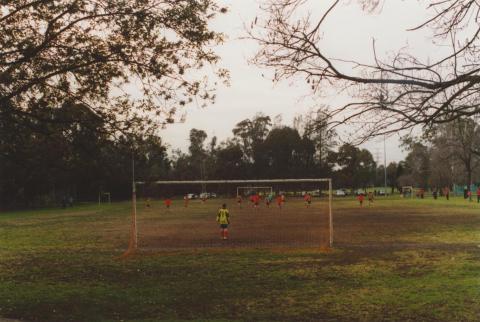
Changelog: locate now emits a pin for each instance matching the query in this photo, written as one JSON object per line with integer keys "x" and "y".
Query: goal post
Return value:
{"x": 407, "y": 190}
{"x": 104, "y": 197}
{"x": 182, "y": 191}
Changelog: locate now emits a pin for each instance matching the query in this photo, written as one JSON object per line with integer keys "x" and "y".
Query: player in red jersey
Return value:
{"x": 360, "y": 199}
{"x": 255, "y": 200}
{"x": 279, "y": 202}
{"x": 308, "y": 199}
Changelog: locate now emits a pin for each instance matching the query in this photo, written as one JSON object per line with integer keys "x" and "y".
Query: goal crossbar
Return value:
{"x": 133, "y": 239}
{"x": 235, "y": 181}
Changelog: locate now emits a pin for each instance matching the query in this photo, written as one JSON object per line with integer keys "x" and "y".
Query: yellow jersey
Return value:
{"x": 222, "y": 216}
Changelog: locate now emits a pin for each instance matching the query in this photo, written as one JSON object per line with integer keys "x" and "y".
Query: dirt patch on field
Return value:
{"x": 368, "y": 230}
{"x": 294, "y": 225}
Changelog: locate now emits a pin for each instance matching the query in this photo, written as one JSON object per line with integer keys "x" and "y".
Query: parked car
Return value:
{"x": 207, "y": 195}
{"x": 381, "y": 192}
{"x": 192, "y": 196}
{"x": 340, "y": 193}
{"x": 360, "y": 192}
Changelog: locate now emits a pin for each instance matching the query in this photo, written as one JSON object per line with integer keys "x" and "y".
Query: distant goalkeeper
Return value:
{"x": 268, "y": 200}
{"x": 223, "y": 220}
{"x": 308, "y": 199}
{"x": 168, "y": 203}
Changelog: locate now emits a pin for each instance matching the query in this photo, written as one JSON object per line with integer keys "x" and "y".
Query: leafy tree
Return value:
{"x": 417, "y": 165}
{"x": 458, "y": 141}
{"x": 314, "y": 126}
{"x": 92, "y": 52}
{"x": 251, "y": 133}
{"x": 441, "y": 168}
{"x": 197, "y": 141}
{"x": 356, "y": 167}
{"x": 286, "y": 154}
{"x": 230, "y": 162}
{"x": 392, "y": 175}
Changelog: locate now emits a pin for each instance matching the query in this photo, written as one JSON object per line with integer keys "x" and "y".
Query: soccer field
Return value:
{"x": 291, "y": 225}
{"x": 399, "y": 260}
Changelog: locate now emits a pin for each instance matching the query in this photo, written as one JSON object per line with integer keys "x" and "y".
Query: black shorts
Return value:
{"x": 223, "y": 226}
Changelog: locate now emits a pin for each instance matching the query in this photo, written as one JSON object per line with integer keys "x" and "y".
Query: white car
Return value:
{"x": 340, "y": 193}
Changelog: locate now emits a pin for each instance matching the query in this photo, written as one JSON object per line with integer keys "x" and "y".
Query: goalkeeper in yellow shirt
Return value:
{"x": 223, "y": 220}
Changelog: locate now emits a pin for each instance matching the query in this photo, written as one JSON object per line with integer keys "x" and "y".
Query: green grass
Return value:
{"x": 401, "y": 260}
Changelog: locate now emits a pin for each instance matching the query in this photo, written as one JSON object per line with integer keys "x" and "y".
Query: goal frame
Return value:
{"x": 254, "y": 188}
{"x": 411, "y": 191}
{"x": 133, "y": 244}
{"x": 107, "y": 194}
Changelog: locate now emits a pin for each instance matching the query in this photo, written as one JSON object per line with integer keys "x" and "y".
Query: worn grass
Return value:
{"x": 400, "y": 260}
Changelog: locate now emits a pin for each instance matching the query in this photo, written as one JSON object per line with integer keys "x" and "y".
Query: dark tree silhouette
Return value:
{"x": 133, "y": 63}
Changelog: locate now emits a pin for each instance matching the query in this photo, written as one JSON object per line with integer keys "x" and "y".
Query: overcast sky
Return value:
{"x": 348, "y": 34}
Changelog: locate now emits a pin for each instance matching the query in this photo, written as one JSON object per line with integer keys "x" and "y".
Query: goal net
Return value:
{"x": 407, "y": 192}
{"x": 104, "y": 197}
{"x": 247, "y": 191}
{"x": 262, "y": 213}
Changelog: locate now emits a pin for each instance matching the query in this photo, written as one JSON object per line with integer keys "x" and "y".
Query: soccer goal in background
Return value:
{"x": 407, "y": 191}
{"x": 246, "y": 191}
{"x": 171, "y": 214}
{"x": 104, "y": 197}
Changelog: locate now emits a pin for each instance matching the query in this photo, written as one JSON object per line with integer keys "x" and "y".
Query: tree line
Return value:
{"x": 81, "y": 159}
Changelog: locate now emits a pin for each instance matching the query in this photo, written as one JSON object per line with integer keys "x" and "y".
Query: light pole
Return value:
{"x": 385, "y": 164}
{"x": 133, "y": 243}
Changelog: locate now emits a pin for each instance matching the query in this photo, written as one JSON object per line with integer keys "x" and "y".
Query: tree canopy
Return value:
{"x": 132, "y": 63}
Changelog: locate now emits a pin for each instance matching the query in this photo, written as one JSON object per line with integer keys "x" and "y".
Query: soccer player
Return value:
{"x": 360, "y": 199}
{"x": 268, "y": 200}
{"x": 223, "y": 219}
{"x": 282, "y": 197}
{"x": 370, "y": 198}
{"x": 478, "y": 194}
{"x": 168, "y": 203}
{"x": 279, "y": 201}
{"x": 308, "y": 199}
{"x": 255, "y": 200}
{"x": 446, "y": 192}
{"x": 185, "y": 201}
{"x": 148, "y": 203}
{"x": 239, "y": 201}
